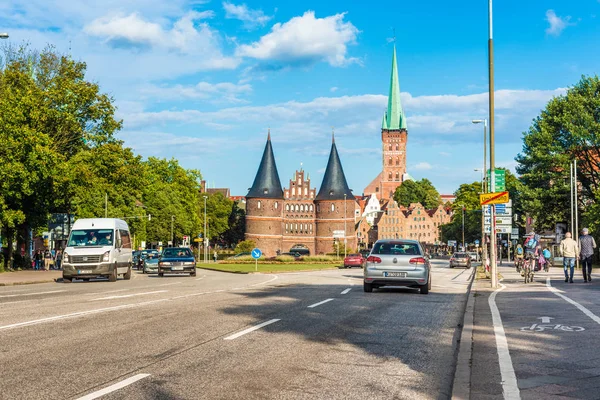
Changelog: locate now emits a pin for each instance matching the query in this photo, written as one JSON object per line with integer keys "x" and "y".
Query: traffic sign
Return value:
{"x": 493, "y": 198}
{"x": 256, "y": 253}
{"x": 499, "y": 180}
{"x": 499, "y": 229}
{"x": 500, "y": 220}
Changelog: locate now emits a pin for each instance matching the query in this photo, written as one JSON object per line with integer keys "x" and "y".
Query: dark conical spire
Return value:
{"x": 266, "y": 184}
{"x": 334, "y": 184}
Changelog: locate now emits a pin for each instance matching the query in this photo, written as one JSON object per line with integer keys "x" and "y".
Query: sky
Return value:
{"x": 203, "y": 81}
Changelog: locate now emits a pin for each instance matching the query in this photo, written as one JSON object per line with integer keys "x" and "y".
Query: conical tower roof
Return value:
{"x": 334, "y": 184}
{"x": 266, "y": 184}
{"x": 394, "y": 118}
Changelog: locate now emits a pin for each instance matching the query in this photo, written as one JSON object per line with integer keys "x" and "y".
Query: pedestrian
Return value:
{"x": 215, "y": 256}
{"x": 47, "y": 260}
{"x": 58, "y": 258}
{"x": 587, "y": 244}
{"x": 569, "y": 251}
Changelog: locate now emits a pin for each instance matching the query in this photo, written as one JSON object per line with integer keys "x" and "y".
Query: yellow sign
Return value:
{"x": 197, "y": 239}
{"x": 493, "y": 198}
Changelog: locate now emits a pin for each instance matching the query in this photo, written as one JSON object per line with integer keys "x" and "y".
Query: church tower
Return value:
{"x": 264, "y": 205}
{"x": 335, "y": 206}
{"x": 394, "y": 137}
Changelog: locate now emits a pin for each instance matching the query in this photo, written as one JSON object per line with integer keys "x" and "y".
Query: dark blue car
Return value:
{"x": 177, "y": 260}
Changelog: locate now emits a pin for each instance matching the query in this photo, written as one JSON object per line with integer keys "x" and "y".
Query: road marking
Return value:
{"x": 546, "y": 320}
{"x": 116, "y": 386}
{"x": 128, "y": 295}
{"x": 319, "y": 303}
{"x": 584, "y": 310}
{"x": 345, "y": 291}
{"x": 252, "y": 329}
{"x": 509, "y": 379}
{"x": 31, "y": 294}
{"x": 264, "y": 283}
{"x": 108, "y": 309}
{"x": 202, "y": 277}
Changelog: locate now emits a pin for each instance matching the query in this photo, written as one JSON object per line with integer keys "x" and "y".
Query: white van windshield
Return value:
{"x": 91, "y": 237}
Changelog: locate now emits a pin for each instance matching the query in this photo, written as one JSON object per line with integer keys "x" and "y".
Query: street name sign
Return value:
{"x": 500, "y": 220}
{"x": 493, "y": 198}
{"x": 499, "y": 180}
{"x": 499, "y": 229}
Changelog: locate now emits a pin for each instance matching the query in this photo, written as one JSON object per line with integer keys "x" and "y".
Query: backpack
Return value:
{"x": 532, "y": 241}
{"x": 519, "y": 250}
{"x": 546, "y": 254}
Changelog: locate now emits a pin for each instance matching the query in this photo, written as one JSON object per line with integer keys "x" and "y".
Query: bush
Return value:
{"x": 245, "y": 246}
{"x": 320, "y": 258}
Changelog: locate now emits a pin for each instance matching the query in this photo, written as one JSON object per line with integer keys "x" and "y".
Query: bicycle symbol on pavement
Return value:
{"x": 557, "y": 327}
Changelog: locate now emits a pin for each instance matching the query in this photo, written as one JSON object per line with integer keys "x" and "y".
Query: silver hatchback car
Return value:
{"x": 397, "y": 262}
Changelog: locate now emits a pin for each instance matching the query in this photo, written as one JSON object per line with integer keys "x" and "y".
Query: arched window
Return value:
{"x": 311, "y": 207}
{"x": 286, "y": 228}
{"x": 397, "y": 176}
{"x": 276, "y": 205}
{"x": 287, "y": 207}
{"x": 302, "y": 207}
{"x": 297, "y": 207}
{"x": 258, "y": 205}
{"x": 293, "y": 191}
{"x": 390, "y": 147}
{"x": 390, "y": 176}
{"x": 397, "y": 147}
{"x": 397, "y": 161}
{"x": 390, "y": 161}
{"x": 332, "y": 207}
{"x": 306, "y": 191}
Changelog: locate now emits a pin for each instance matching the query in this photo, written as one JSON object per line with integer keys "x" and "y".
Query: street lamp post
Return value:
{"x": 345, "y": 241}
{"x": 494, "y": 271}
{"x": 463, "y": 228}
{"x": 483, "y": 188}
{"x": 172, "y": 240}
{"x": 205, "y": 236}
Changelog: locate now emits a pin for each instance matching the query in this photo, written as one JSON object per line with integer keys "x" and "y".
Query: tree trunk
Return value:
{"x": 9, "y": 243}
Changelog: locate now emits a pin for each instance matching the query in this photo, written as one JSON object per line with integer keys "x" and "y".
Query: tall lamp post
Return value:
{"x": 345, "y": 241}
{"x": 205, "y": 237}
{"x": 463, "y": 228}
{"x": 172, "y": 241}
{"x": 483, "y": 188}
{"x": 493, "y": 267}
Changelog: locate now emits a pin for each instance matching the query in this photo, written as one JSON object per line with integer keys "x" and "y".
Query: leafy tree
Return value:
{"x": 567, "y": 129}
{"x": 237, "y": 227}
{"x": 467, "y": 198}
{"x": 421, "y": 191}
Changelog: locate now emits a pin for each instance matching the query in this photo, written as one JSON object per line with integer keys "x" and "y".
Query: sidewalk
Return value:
{"x": 552, "y": 346}
{"x": 28, "y": 277}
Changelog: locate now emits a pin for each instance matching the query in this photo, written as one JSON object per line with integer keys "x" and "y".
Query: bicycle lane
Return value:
{"x": 552, "y": 344}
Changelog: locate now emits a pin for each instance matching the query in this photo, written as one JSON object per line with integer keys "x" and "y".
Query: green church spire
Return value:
{"x": 394, "y": 118}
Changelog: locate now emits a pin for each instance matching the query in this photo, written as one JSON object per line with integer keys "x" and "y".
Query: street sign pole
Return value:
{"x": 492, "y": 156}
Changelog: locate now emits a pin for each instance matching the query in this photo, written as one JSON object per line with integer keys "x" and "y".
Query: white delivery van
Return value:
{"x": 98, "y": 247}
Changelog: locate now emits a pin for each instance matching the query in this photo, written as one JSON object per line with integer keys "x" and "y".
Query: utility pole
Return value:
{"x": 493, "y": 249}
{"x": 105, "y": 205}
{"x": 205, "y": 235}
{"x": 463, "y": 228}
{"x": 575, "y": 188}
{"x": 345, "y": 241}
{"x": 172, "y": 240}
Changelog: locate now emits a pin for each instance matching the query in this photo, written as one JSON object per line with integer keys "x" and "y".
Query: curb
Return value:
{"x": 461, "y": 386}
{"x": 268, "y": 272}
{"x": 25, "y": 283}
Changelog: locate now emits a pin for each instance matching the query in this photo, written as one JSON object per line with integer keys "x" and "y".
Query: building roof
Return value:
{"x": 223, "y": 191}
{"x": 394, "y": 118}
{"x": 266, "y": 183}
{"x": 334, "y": 184}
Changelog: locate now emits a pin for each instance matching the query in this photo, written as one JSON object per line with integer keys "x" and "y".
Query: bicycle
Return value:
{"x": 519, "y": 264}
{"x": 528, "y": 269}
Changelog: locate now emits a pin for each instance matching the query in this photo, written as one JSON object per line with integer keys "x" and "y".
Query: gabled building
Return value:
{"x": 278, "y": 220}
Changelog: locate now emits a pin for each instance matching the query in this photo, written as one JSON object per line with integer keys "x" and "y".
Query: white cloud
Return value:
{"x": 216, "y": 92}
{"x": 557, "y": 24}
{"x": 304, "y": 41}
{"x": 333, "y": 89}
{"x": 422, "y": 166}
{"x": 251, "y": 18}
{"x": 444, "y": 154}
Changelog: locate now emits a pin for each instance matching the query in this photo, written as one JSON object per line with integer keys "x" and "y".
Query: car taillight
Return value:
{"x": 373, "y": 259}
{"x": 417, "y": 260}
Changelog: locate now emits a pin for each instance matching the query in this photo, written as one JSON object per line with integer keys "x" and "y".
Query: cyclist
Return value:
{"x": 531, "y": 254}
{"x": 519, "y": 255}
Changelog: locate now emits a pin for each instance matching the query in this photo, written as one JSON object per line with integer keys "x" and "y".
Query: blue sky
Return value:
{"x": 202, "y": 81}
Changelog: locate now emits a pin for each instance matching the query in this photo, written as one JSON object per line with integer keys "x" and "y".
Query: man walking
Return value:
{"x": 569, "y": 251}
{"x": 587, "y": 244}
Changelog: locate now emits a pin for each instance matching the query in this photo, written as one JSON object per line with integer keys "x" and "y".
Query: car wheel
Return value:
{"x": 67, "y": 279}
{"x": 161, "y": 274}
{"x": 193, "y": 273}
{"x": 425, "y": 288}
{"x": 367, "y": 287}
{"x": 85, "y": 279}
{"x": 451, "y": 266}
{"x": 113, "y": 276}
{"x": 127, "y": 275}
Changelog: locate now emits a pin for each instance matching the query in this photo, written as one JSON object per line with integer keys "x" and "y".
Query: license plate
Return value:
{"x": 84, "y": 271}
{"x": 395, "y": 274}
{"x": 176, "y": 268}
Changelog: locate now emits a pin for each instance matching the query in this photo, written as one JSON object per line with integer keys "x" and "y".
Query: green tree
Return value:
{"x": 421, "y": 191}
{"x": 567, "y": 129}
{"x": 245, "y": 246}
{"x": 237, "y": 227}
{"x": 467, "y": 199}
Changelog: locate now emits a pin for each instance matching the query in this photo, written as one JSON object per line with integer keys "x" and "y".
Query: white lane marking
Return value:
{"x": 107, "y": 309}
{"x": 584, "y": 310}
{"x": 252, "y": 329}
{"x": 112, "y": 388}
{"x": 128, "y": 295}
{"x": 319, "y": 303}
{"x": 264, "y": 283}
{"x": 507, "y": 371}
{"x": 132, "y": 288}
{"x": 31, "y": 294}
{"x": 346, "y": 291}
{"x": 202, "y": 277}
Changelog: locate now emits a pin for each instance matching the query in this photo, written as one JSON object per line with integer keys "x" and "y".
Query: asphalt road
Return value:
{"x": 308, "y": 335}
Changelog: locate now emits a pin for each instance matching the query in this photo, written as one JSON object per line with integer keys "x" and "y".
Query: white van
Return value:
{"x": 98, "y": 247}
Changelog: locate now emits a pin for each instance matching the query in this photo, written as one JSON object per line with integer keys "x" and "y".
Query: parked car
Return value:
{"x": 397, "y": 262}
{"x": 354, "y": 260}
{"x": 460, "y": 260}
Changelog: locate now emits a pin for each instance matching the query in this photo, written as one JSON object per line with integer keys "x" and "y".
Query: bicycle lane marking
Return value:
{"x": 510, "y": 387}
{"x": 583, "y": 309}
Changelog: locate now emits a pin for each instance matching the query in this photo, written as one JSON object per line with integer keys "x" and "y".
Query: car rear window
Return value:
{"x": 460, "y": 255}
{"x": 397, "y": 248}
{"x": 353, "y": 255}
{"x": 175, "y": 252}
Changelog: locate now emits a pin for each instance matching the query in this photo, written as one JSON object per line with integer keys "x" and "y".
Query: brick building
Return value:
{"x": 279, "y": 219}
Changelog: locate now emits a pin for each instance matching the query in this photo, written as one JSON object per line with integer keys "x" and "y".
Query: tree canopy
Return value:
{"x": 421, "y": 191}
